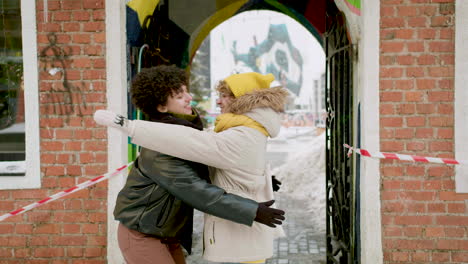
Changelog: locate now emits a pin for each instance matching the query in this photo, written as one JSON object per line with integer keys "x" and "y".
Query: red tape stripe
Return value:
{"x": 97, "y": 178}
{"x": 121, "y": 168}
{"x": 365, "y": 153}
{"x": 419, "y": 158}
{"x": 44, "y": 200}
{"x": 71, "y": 189}
{"x": 450, "y": 161}
{"x": 17, "y": 211}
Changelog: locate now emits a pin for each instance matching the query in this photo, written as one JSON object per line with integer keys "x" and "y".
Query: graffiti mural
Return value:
{"x": 276, "y": 54}
{"x": 269, "y": 42}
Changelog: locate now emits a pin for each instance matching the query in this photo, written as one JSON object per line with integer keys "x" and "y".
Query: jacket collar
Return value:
{"x": 193, "y": 121}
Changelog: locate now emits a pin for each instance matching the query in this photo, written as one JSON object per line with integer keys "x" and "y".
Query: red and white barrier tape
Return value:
{"x": 66, "y": 192}
{"x": 396, "y": 156}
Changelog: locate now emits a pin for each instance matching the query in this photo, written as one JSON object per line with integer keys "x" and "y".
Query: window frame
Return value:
{"x": 32, "y": 176}
{"x": 461, "y": 95}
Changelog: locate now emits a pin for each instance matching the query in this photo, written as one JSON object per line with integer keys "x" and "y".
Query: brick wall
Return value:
{"x": 423, "y": 219}
{"x": 73, "y": 149}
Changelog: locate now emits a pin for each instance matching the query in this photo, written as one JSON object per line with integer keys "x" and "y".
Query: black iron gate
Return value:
{"x": 340, "y": 188}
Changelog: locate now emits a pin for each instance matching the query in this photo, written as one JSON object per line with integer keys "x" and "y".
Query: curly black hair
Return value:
{"x": 152, "y": 86}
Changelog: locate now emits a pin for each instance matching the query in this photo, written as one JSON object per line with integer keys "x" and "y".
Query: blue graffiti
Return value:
{"x": 276, "y": 55}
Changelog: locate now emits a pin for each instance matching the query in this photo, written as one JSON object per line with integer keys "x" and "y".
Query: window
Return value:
{"x": 19, "y": 128}
{"x": 461, "y": 95}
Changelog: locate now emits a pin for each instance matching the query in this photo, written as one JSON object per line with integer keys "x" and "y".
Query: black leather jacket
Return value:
{"x": 161, "y": 191}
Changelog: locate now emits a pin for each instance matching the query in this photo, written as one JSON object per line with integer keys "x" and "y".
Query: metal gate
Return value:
{"x": 340, "y": 189}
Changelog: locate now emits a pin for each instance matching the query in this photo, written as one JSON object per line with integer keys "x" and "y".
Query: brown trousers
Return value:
{"x": 139, "y": 248}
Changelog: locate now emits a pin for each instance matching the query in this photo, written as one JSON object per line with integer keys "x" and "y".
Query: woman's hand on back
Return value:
{"x": 269, "y": 216}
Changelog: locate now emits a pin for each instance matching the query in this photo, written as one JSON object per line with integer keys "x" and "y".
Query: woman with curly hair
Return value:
{"x": 155, "y": 207}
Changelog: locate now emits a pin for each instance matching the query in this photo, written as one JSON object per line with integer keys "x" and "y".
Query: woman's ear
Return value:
{"x": 162, "y": 108}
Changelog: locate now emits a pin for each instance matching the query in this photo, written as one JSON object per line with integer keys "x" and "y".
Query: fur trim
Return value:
{"x": 274, "y": 98}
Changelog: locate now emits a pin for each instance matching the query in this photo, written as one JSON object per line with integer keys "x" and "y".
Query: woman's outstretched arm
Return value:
{"x": 221, "y": 150}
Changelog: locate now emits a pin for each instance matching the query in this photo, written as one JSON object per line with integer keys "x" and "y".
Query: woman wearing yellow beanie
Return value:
{"x": 235, "y": 153}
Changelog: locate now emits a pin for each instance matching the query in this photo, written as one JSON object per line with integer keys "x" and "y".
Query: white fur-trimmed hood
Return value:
{"x": 274, "y": 98}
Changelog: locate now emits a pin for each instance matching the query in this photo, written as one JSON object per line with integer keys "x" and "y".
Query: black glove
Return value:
{"x": 269, "y": 216}
{"x": 276, "y": 183}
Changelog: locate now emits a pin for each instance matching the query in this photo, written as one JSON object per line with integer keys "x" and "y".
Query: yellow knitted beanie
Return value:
{"x": 243, "y": 83}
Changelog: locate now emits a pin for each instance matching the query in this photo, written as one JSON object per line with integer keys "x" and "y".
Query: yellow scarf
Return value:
{"x": 226, "y": 121}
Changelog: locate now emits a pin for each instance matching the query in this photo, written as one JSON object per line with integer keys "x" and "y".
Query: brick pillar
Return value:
{"x": 73, "y": 149}
{"x": 423, "y": 219}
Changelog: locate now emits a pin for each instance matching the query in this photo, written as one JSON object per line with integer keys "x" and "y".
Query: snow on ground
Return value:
{"x": 303, "y": 174}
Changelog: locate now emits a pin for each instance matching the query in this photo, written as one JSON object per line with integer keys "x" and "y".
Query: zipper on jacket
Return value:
{"x": 213, "y": 240}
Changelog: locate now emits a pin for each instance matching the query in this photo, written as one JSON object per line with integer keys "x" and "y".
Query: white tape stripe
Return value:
{"x": 84, "y": 184}
{"x": 57, "y": 195}
{"x": 404, "y": 157}
{"x": 5, "y": 216}
{"x": 31, "y": 206}
{"x": 435, "y": 160}
{"x": 377, "y": 155}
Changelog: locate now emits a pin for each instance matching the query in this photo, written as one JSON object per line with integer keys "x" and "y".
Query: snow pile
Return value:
{"x": 292, "y": 132}
{"x": 303, "y": 178}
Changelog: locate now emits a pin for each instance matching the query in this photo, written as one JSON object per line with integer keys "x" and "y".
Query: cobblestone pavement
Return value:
{"x": 302, "y": 244}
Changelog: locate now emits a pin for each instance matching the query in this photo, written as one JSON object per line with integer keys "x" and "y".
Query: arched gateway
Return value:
{"x": 172, "y": 31}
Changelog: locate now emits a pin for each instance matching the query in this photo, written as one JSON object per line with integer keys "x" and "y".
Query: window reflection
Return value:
{"x": 12, "y": 121}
